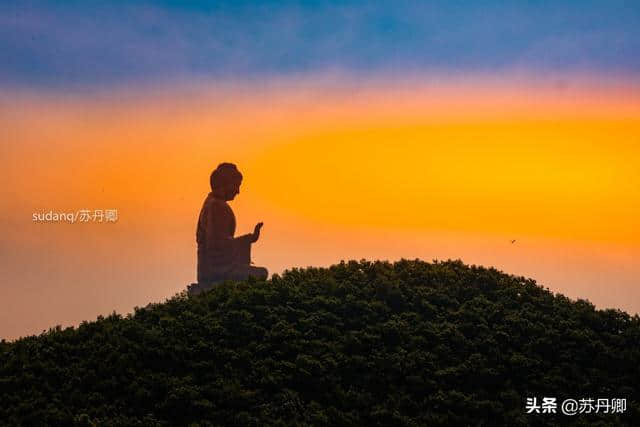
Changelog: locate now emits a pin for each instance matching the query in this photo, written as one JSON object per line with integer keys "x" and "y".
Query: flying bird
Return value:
{"x": 513, "y": 241}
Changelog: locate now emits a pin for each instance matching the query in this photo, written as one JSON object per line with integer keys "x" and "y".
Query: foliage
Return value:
{"x": 359, "y": 343}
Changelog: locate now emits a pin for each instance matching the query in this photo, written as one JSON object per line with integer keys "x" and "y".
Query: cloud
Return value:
{"x": 95, "y": 43}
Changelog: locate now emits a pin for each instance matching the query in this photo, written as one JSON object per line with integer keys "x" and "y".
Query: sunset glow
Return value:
{"x": 383, "y": 173}
{"x": 502, "y": 135}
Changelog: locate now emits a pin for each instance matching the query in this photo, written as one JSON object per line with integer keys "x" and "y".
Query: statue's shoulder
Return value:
{"x": 211, "y": 201}
{"x": 217, "y": 206}
{"x": 220, "y": 204}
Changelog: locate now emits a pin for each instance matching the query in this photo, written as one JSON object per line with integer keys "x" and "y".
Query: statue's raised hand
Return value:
{"x": 256, "y": 232}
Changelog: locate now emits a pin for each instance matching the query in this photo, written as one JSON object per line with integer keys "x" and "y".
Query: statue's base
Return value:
{"x": 198, "y": 288}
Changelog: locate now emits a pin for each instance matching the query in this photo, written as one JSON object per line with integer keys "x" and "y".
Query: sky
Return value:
{"x": 429, "y": 130}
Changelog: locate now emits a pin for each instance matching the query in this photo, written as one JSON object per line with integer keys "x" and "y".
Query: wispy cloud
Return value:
{"x": 59, "y": 44}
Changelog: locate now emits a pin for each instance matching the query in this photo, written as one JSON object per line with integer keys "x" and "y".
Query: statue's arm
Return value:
{"x": 217, "y": 227}
{"x": 219, "y": 232}
{"x": 245, "y": 239}
{"x": 253, "y": 237}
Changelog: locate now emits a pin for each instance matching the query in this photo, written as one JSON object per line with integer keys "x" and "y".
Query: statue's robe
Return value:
{"x": 222, "y": 256}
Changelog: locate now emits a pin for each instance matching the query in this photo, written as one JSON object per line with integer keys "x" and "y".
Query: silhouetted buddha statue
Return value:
{"x": 221, "y": 256}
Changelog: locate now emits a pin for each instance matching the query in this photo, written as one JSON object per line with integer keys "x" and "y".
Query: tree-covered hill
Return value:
{"x": 359, "y": 343}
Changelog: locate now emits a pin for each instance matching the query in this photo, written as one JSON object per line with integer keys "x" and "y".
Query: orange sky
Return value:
{"x": 336, "y": 171}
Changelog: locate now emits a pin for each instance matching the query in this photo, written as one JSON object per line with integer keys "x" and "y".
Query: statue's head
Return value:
{"x": 225, "y": 181}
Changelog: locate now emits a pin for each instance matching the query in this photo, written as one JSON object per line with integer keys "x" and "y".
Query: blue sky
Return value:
{"x": 75, "y": 43}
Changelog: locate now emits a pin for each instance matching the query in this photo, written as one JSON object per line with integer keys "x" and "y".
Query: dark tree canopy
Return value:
{"x": 359, "y": 343}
